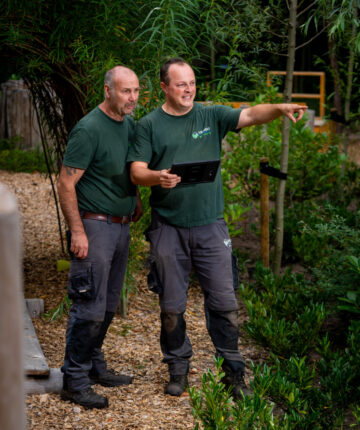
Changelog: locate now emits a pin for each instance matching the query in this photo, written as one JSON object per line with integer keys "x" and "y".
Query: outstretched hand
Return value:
{"x": 290, "y": 110}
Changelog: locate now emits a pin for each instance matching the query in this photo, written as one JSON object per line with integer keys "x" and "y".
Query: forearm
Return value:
{"x": 264, "y": 113}
{"x": 144, "y": 176}
{"x": 69, "y": 207}
{"x": 140, "y": 174}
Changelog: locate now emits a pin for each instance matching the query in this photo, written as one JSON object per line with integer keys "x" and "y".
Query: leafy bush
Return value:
{"x": 17, "y": 160}
{"x": 340, "y": 372}
{"x": 352, "y": 299}
{"x": 213, "y": 408}
{"x": 281, "y": 312}
{"x": 308, "y": 393}
{"x": 314, "y": 162}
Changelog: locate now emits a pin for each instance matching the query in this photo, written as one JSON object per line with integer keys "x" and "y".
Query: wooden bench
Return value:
{"x": 34, "y": 360}
{"x": 39, "y": 377}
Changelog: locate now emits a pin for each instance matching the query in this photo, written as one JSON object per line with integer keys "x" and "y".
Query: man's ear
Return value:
{"x": 107, "y": 91}
{"x": 163, "y": 87}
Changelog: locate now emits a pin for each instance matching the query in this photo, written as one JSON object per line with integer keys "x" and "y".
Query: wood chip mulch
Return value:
{"x": 131, "y": 346}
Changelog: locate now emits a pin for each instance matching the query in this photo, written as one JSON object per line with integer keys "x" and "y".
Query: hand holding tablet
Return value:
{"x": 196, "y": 172}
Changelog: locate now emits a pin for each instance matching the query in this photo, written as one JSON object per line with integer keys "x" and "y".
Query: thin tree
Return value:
{"x": 292, "y": 23}
{"x": 280, "y": 195}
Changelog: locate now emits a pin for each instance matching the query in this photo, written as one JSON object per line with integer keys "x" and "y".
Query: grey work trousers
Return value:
{"x": 207, "y": 248}
{"x": 102, "y": 273}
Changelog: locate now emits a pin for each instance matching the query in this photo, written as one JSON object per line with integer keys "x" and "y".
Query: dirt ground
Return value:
{"x": 131, "y": 346}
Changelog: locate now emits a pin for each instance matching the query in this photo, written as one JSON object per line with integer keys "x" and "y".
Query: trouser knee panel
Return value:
{"x": 223, "y": 329}
{"x": 173, "y": 329}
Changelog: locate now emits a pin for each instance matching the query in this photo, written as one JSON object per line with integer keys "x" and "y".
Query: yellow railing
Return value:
{"x": 320, "y": 124}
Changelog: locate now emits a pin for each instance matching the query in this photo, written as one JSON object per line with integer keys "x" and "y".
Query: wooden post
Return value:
{"x": 264, "y": 216}
{"x": 17, "y": 114}
{"x": 12, "y": 399}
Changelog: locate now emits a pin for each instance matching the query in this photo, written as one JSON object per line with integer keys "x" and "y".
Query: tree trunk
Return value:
{"x": 337, "y": 81}
{"x": 350, "y": 76}
{"x": 351, "y": 64}
{"x": 280, "y": 195}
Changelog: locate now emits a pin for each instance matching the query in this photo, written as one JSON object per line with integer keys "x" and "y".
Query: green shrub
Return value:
{"x": 286, "y": 314}
{"x": 18, "y": 160}
{"x": 314, "y": 162}
{"x": 281, "y": 310}
{"x": 213, "y": 408}
{"x": 339, "y": 371}
{"x": 307, "y": 396}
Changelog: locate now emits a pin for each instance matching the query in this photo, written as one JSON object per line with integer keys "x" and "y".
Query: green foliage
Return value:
{"x": 287, "y": 314}
{"x": 356, "y": 412}
{"x": 340, "y": 372}
{"x": 352, "y": 298}
{"x": 212, "y": 404}
{"x": 341, "y": 21}
{"x": 59, "y": 311}
{"x": 329, "y": 242}
{"x": 213, "y": 408}
{"x": 281, "y": 311}
{"x": 138, "y": 247}
{"x": 314, "y": 165}
{"x": 310, "y": 396}
{"x": 14, "y": 159}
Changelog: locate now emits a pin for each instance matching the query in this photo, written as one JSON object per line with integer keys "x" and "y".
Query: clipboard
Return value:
{"x": 197, "y": 172}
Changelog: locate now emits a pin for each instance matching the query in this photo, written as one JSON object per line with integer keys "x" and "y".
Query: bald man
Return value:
{"x": 98, "y": 201}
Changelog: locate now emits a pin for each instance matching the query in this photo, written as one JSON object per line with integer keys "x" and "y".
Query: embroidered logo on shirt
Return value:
{"x": 201, "y": 133}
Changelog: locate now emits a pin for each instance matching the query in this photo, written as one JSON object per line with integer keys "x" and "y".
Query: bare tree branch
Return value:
{"x": 281, "y": 36}
{"x": 306, "y": 9}
{"x": 314, "y": 37}
{"x": 275, "y": 17}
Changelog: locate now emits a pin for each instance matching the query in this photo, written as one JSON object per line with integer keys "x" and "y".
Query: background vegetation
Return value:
{"x": 309, "y": 322}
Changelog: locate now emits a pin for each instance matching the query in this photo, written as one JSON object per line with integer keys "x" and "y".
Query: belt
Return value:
{"x": 108, "y": 218}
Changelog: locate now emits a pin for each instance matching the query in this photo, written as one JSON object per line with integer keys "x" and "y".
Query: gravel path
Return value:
{"x": 131, "y": 346}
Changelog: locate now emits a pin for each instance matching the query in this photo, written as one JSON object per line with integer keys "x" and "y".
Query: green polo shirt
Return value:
{"x": 163, "y": 139}
{"x": 99, "y": 145}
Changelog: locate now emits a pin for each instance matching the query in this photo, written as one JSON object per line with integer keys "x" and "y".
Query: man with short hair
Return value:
{"x": 187, "y": 227}
{"x": 98, "y": 201}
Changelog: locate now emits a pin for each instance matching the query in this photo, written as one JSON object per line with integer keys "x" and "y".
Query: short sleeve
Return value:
{"x": 141, "y": 149}
{"x": 228, "y": 118}
{"x": 80, "y": 149}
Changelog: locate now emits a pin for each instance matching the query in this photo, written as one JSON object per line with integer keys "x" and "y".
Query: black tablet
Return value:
{"x": 196, "y": 172}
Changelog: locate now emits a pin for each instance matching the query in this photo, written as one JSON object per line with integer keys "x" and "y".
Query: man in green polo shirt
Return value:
{"x": 98, "y": 201}
{"x": 187, "y": 226}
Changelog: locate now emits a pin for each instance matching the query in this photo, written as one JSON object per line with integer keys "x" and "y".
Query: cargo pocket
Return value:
{"x": 81, "y": 283}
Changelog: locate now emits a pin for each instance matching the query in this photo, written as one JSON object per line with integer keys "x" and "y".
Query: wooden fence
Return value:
{"x": 17, "y": 114}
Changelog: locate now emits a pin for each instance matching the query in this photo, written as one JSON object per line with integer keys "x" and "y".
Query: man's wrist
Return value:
{"x": 77, "y": 231}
